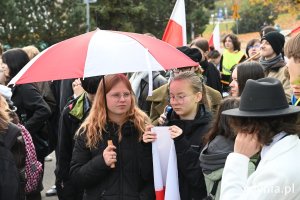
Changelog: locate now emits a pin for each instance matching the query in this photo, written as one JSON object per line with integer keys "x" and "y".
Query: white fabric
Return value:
{"x": 216, "y": 37}
{"x": 178, "y": 15}
{"x": 266, "y": 148}
{"x": 135, "y": 81}
{"x": 113, "y": 55}
{"x": 165, "y": 164}
{"x": 5, "y": 92}
{"x": 276, "y": 177}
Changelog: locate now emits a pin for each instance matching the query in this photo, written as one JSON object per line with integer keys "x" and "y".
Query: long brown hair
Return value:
{"x": 4, "y": 116}
{"x": 94, "y": 126}
{"x": 220, "y": 125}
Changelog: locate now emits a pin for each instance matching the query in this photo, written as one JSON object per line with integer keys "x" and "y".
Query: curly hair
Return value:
{"x": 266, "y": 127}
{"x": 94, "y": 126}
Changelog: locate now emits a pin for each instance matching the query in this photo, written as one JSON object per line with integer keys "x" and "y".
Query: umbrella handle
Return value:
{"x": 109, "y": 142}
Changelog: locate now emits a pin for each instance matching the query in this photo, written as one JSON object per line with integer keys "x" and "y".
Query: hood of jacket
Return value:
{"x": 214, "y": 154}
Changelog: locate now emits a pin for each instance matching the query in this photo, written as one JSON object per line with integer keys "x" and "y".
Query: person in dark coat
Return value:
{"x": 32, "y": 109}
{"x": 212, "y": 76}
{"x": 72, "y": 116}
{"x": 12, "y": 173}
{"x": 139, "y": 82}
{"x": 189, "y": 121}
{"x": 109, "y": 159}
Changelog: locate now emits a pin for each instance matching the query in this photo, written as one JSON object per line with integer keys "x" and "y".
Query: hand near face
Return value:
{"x": 247, "y": 144}
{"x": 109, "y": 155}
{"x": 175, "y": 131}
{"x": 149, "y": 136}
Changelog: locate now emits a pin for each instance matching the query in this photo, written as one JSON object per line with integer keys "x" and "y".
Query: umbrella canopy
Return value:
{"x": 102, "y": 52}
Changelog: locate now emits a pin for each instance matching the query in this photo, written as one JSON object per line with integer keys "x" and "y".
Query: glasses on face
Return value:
{"x": 184, "y": 69}
{"x": 257, "y": 46}
{"x": 118, "y": 96}
{"x": 178, "y": 98}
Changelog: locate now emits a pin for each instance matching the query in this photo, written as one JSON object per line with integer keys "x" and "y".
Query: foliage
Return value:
{"x": 148, "y": 15}
{"x": 291, "y": 6}
{"x": 26, "y": 22}
{"x": 254, "y": 16}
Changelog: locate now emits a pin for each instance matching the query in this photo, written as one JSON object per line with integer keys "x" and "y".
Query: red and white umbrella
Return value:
{"x": 102, "y": 52}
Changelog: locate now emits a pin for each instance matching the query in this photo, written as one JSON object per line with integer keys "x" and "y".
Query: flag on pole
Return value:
{"x": 215, "y": 39}
{"x": 175, "y": 32}
{"x": 165, "y": 166}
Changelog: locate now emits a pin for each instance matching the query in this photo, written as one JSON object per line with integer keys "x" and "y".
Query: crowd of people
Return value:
{"x": 233, "y": 119}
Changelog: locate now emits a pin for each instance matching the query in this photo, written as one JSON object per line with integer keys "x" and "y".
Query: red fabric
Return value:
{"x": 173, "y": 34}
{"x": 295, "y": 31}
{"x": 211, "y": 41}
{"x": 159, "y": 54}
{"x": 160, "y": 195}
{"x": 43, "y": 72}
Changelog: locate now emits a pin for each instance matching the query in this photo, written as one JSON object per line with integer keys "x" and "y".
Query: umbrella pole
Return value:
{"x": 109, "y": 141}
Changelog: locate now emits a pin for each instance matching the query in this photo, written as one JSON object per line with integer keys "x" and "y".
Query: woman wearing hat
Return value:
{"x": 263, "y": 122}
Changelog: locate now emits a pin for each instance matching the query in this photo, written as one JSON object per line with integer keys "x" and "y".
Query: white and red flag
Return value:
{"x": 215, "y": 39}
{"x": 175, "y": 32}
{"x": 165, "y": 166}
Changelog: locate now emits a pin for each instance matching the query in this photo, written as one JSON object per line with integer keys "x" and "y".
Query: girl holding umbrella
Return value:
{"x": 123, "y": 169}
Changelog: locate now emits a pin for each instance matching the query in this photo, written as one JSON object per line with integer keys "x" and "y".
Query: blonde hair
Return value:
{"x": 4, "y": 115}
{"x": 196, "y": 83}
{"x": 94, "y": 126}
{"x": 31, "y": 51}
{"x": 292, "y": 48}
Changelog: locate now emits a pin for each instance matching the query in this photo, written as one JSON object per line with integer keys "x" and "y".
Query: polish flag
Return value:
{"x": 215, "y": 38}
{"x": 165, "y": 170}
{"x": 175, "y": 33}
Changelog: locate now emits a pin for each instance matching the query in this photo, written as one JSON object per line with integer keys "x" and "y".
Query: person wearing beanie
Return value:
{"x": 272, "y": 59}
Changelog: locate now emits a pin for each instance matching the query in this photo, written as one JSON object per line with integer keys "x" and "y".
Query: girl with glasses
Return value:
{"x": 188, "y": 121}
{"x": 121, "y": 169}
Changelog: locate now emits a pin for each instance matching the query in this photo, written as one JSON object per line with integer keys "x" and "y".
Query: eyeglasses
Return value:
{"x": 184, "y": 69}
{"x": 179, "y": 98}
{"x": 257, "y": 46}
{"x": 118, "y": 96}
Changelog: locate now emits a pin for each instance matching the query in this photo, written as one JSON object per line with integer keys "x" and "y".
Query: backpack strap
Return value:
{"x": 214, "y": 188}
{"x": 11, "y": 136}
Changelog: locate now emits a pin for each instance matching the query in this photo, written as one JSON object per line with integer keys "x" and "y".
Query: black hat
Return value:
{"x": 276, "y": 40}
{"x": 264, "y": 97}
{"x": 193, "y": 53}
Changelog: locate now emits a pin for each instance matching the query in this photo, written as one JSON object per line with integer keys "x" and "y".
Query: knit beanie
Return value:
{"x": 276, "y": 40}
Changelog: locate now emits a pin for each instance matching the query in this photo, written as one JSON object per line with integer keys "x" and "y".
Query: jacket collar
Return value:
{"x": 160, "y": 94}
{"x": 280, "y": 147}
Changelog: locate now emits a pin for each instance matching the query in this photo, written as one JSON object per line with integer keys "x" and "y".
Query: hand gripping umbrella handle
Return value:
{"x": 109, "y": 142}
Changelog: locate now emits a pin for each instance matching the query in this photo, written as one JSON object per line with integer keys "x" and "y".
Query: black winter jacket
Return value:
{"x": 34, "y": 113}
{"x": 131, "y": 179}
{"x": 68, "y": 125}
{"x": 188, "y": 147}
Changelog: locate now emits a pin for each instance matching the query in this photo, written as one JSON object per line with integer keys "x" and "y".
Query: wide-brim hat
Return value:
{"x": 263, "y": 98}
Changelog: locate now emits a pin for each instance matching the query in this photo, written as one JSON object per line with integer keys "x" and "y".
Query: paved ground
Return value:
{"x": 49, "y": 178}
